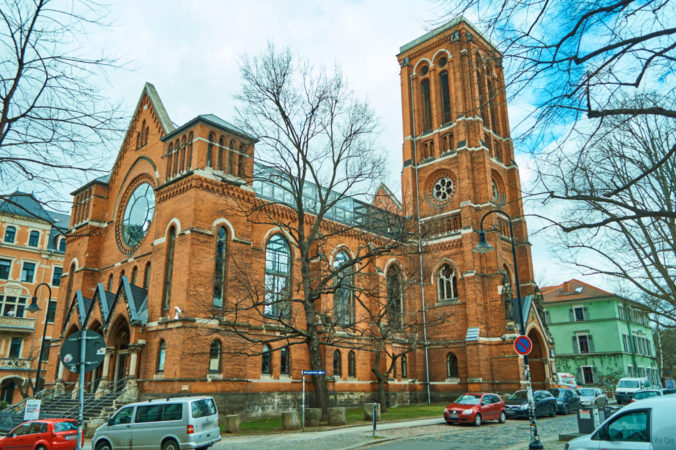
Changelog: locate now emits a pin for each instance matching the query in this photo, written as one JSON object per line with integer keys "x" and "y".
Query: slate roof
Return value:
{"x": 26, "y": 205}
{"x": 441, "y": 29}
{"x": 573, "y": 290}
{"x": 214, "y": 121}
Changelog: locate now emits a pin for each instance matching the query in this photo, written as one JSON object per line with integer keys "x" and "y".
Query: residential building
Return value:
{"x": 599, "y": 334}
{"x": 32, "y": 248}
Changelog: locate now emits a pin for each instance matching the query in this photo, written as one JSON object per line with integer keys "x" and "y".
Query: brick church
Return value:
{"x": 153, "y": 249}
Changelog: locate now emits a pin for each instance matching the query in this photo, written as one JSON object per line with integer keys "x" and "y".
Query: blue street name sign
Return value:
{"x": 314, "y": 372}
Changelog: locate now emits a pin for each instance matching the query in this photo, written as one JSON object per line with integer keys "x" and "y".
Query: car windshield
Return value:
{"x": 586, "y": 392}
{"x": 628, "y": 384}
{"x": 645, "y": 394}
{"x": 518, "y": 395}
{"x": 467, "y": 399}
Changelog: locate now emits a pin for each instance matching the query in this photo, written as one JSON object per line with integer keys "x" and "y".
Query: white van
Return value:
{"x": 565, "y": 381}
{"x": 627, "y": 387}
{"x": 167, "y": 424}
{"x": 647, "y": 424}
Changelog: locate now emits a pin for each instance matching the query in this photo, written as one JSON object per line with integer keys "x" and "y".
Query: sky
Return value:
{"x": 190, "y": 51}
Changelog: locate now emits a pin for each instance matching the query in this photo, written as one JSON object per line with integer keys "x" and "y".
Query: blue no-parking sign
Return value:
{"x": 523, "y": 345}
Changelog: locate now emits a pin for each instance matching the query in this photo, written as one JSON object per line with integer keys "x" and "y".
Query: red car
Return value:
{"x": 475, "y": 408}
{"x": 46, "y": 434}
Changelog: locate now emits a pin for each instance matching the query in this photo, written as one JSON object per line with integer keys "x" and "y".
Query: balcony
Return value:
{"x": 14, "y": 364}
{"x": 17, "y": 324}
{"x": 444, "y": 226}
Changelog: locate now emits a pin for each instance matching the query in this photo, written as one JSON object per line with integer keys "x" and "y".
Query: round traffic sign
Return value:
{"x": 523, "y": 345}
{"x": 95, "y": 351}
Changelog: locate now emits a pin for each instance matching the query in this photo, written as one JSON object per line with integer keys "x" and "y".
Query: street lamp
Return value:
{"x": 33, "y": 307}
{"x": 484, "y": 247}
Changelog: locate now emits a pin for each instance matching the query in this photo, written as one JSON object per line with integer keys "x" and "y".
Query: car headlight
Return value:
{"x": 445, "y": 410}
{"x": 524, "y": 406}
{"x": 467, "y": 412}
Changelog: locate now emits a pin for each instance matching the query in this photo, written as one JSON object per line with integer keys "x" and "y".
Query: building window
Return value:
{"x": 284, "y": 361}
{"x": 5, "y": 267}
{"x": 161, "y": 356}
{"x": 219, "y": 276}
{"x": 447, "y": 284}
{"x": 56, "y": 276}
{"x": 445, "y": 97}
{"x": 337, "y": 364}
{"x": 583, "y": 343}
{"x": 7, "y": 395}
{"x": 351, "y": 365}
{"x": 12, "y": 306}
{"x": 579, "y": 314}
{"x": 451, "y": 365}
{"x": 404, "y": 367}
{"x": 110, "y": 283}
{"x": 219, "y": 165}
{"x": 426, "y": 104}
{"x": 10, "y": 234}
{"x": 134, "y": 274}
{"x": 169, "y": 268}
{"x": 266, "y": 361}
{"x": 395, "y": 304}
{"x": 51, "y": 311}
{"x": 34, "y": 239}
{"x": 146, "y": 277}
{"x": 277, "y": 277}
{"x": 625, "y": 343}
{"x": 215, "y": 357}
{"x": 343, "y": 295}
{"x": 62, "y": 245}
{"x": 210, "y": 149}
{"x": 15, "y": 347}
{"x": 588, "y": 375}
{"x": 28, "y": 272}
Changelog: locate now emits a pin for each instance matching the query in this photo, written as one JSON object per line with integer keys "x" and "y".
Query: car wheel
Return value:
{"x": 40, "y": 447}
{"x": 477, "y": 420}
{"x": 170, "y": 444}
{"x": 503, "y": 417}
{"x": 564, "y": 410}
{"x": 103, "y": 446}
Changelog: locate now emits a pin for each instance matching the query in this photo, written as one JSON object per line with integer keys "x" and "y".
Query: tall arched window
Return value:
{"x": 181, "y": 157}
{"x": 34, "y": 239}
{"x": 231, "y": 157}
{"x": 492, "y": 93}
{"x": 447, "y": 283}
{"x": 395, "y": 304}
{"x": 110, "y": 283}
{"x": 266, "y": 361}
{"x": 10, "y": 234}
{"x": 210, "y": 149}
{"x": 445, "y": 97}
{"x": 343, "y": 295}
{"x": 219, "y": 276}
{"x": 134, "y": 272}
{"x": 168, "y": 155}
{"x": 220, "y": 154}
{"x": 242, "y": 161}
{"x": 146, "y": 277}
{"x": 404, "y": 367}
{"x": 161, "y": 354}
{"x": 483, "y": 103}
{"x": 451, "y": 365}
{"x": 188, "y": 156}
{"x": 351, "y": 365}
{"x": 215, "y": 357}
{"x": 174, "y": 170}
{"x": 337, "y": 364}
{"x": 277, "y": 276}
{"x": 426, "y": 105}
{"x": 169, "y": 268}
{"x": 284, "y": 361}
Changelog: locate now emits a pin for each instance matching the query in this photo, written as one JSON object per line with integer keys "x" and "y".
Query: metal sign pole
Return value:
{"x": 80, "y": 412}
{"x": 374, "y": 419}
{"x": 303, "y": 402}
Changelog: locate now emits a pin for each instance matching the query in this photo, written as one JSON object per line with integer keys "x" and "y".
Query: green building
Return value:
{"x": 599, "y": 336}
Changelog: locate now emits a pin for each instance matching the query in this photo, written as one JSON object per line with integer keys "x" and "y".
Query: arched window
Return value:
{"x": 343, "y": 295}
{"x": 219, "y": 276}
{"x": 404, "y": 367}
{"x": 220, "y": 154}
{"x": 10, "y": 234}
{"x": 134, "y": 273}
{"x": 210, "y": 149}
{"x": 146, "y": 277}
{"x": 174, "y": 169}
{"x": 337, "y": 364}
{"x": 181, "y": 157}
{"x": 277, "y": 276}
{"x": 168, "y": 155}
{"x": 426, "y": 105}
{"x": 447, "y": 283}
{"x": 351, "y": 365}
{"x": 266, "y": 361}
{"x": 492, "y": 93}
{"x": 142, "y": 133}
{"x": 231, "y": 157}
{"x": 215, "y": 357}
{"x": 110, "y": 283}
{"x": 145, "y": 134}
{"x": 62, "y": 245}
{"x": 445, "y": 97}
{"x": 284, "y": 361}
{"x": 34, "y": 239}
{"x": 161, "y": 356}
{"x": 242, "y": 161}
{"x": 480, "y": 81}
{"x": 395, "y": 304}
{"x": 451, "y": 365}
{"x": 169, "y": 268}
{"x": 188, "y": 156}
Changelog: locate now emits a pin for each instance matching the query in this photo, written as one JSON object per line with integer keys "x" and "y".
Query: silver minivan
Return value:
{"x": 169, "y": 424}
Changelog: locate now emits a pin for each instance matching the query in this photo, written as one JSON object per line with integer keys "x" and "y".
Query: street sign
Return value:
{"x": 523, "y": 345}
{"x": 95, "y": 351}
{"x": 314, "y": 372}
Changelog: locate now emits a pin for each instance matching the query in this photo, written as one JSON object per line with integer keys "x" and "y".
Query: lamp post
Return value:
{"x": 33, "y": 307}
{"x": 484, "y": 247}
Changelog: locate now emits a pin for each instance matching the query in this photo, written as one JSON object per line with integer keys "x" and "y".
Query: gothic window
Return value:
{"x": 426, "y": 105}
{"x": 110, "y": 283}
{"x": 146, "y": 277}
{"x": 188, "y": 156}
{"x": 220, "y": 153}
{"x": 404, "y": 367}
{"x": 10, "y": 234}
{"x": 242, "y": 160}
{"x": 168, "y": 155}
{"x": 447, "y": 283}
{"x": 492, "y": 92}
{"x": 210, "y": 149}
{"x": 146, "y": 132}
{"x": 351, "y": 365}
{"x": 181, "y": 157}
{"x": 277, "y": 276}
{"x": 219, "y": 276}
{"x": 161, "y": 356}
{"x": 34, "y": 239}
{"x": 395, "y": 304}
{"x": 266, "y": 361}
{"x": 480, "y": 80}
{"x": 337, "y": 364}
{"x": 451, "y": 365}
{"x": 134, "y": 273}
{"x": 174, "y": 170}
{"x": 231, "y": 157}
{"x": 343, "y": 295}
{"x": 284, "y": 361}
{"x": 215, "y": 357}
{"x": 445, "y": 97}
{"x": 169, "y": 268}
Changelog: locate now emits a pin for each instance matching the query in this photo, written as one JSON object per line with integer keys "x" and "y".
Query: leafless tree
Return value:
{"x": 55, "y": 124}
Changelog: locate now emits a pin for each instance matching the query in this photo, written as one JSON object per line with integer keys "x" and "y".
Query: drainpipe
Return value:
{"x": 420, "y": 256}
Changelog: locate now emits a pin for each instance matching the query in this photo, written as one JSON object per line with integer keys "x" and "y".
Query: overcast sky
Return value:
{"x": 190, "y": 51}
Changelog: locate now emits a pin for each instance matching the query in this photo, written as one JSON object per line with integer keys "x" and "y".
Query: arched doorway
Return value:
{"x": 119, "y": 335}
{"x": 8, "y": 389}
{"x": 537, "y": 360}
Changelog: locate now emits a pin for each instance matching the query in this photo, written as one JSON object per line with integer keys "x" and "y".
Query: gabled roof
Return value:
{"x": 214, "y": 121}
{"x": 388, "y": 193}
{"x": 573, "y": 290}
{"x": 26, "y": 205}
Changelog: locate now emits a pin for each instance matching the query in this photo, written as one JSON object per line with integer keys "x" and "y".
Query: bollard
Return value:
{"x": 337, "y": 416}
{"x": 290, "y": 420}
{"x": 312, "y": 416}
{"x": 232, "y": 422}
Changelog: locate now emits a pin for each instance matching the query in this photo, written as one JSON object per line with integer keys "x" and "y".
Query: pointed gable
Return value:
{"x": 386, "y": 200}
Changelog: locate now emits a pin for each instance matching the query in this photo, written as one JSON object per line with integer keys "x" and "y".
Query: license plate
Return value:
{"x": 454, "y": 415}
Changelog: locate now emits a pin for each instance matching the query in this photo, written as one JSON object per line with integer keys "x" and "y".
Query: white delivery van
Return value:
{"x": 627, "y": 387}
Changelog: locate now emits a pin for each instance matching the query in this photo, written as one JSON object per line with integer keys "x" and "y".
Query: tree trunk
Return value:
{"x": 321, "y": 399}
{"x": 382, "y": 398}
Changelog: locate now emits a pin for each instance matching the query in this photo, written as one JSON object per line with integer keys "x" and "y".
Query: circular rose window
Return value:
{"x": 442, "y": 189}
{"x": 138, "y": 214}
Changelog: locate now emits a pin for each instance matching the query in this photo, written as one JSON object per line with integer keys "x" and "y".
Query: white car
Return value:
{"x": 647, "y": 424}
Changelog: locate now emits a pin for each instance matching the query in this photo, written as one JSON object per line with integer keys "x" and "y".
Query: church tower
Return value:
{"x": 458, "y": 164}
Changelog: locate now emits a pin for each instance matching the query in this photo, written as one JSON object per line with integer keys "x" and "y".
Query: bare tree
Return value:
{"x": 54, "y": 122}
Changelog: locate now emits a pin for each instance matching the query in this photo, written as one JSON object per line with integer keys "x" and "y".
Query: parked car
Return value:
{"x": 647, "y": 393}
{"x": 627, "y": 387}
{"x": 669, "y": 391}
{"x": 169, "y": 424}
{"x": 475, "y": 408}
{"x": 592, "y": 397}
{"x": 43, "y": 434}
{"x": 647, "y": 424}
{"x": 567, "y": 400}
{"x": 516, "y": 404}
